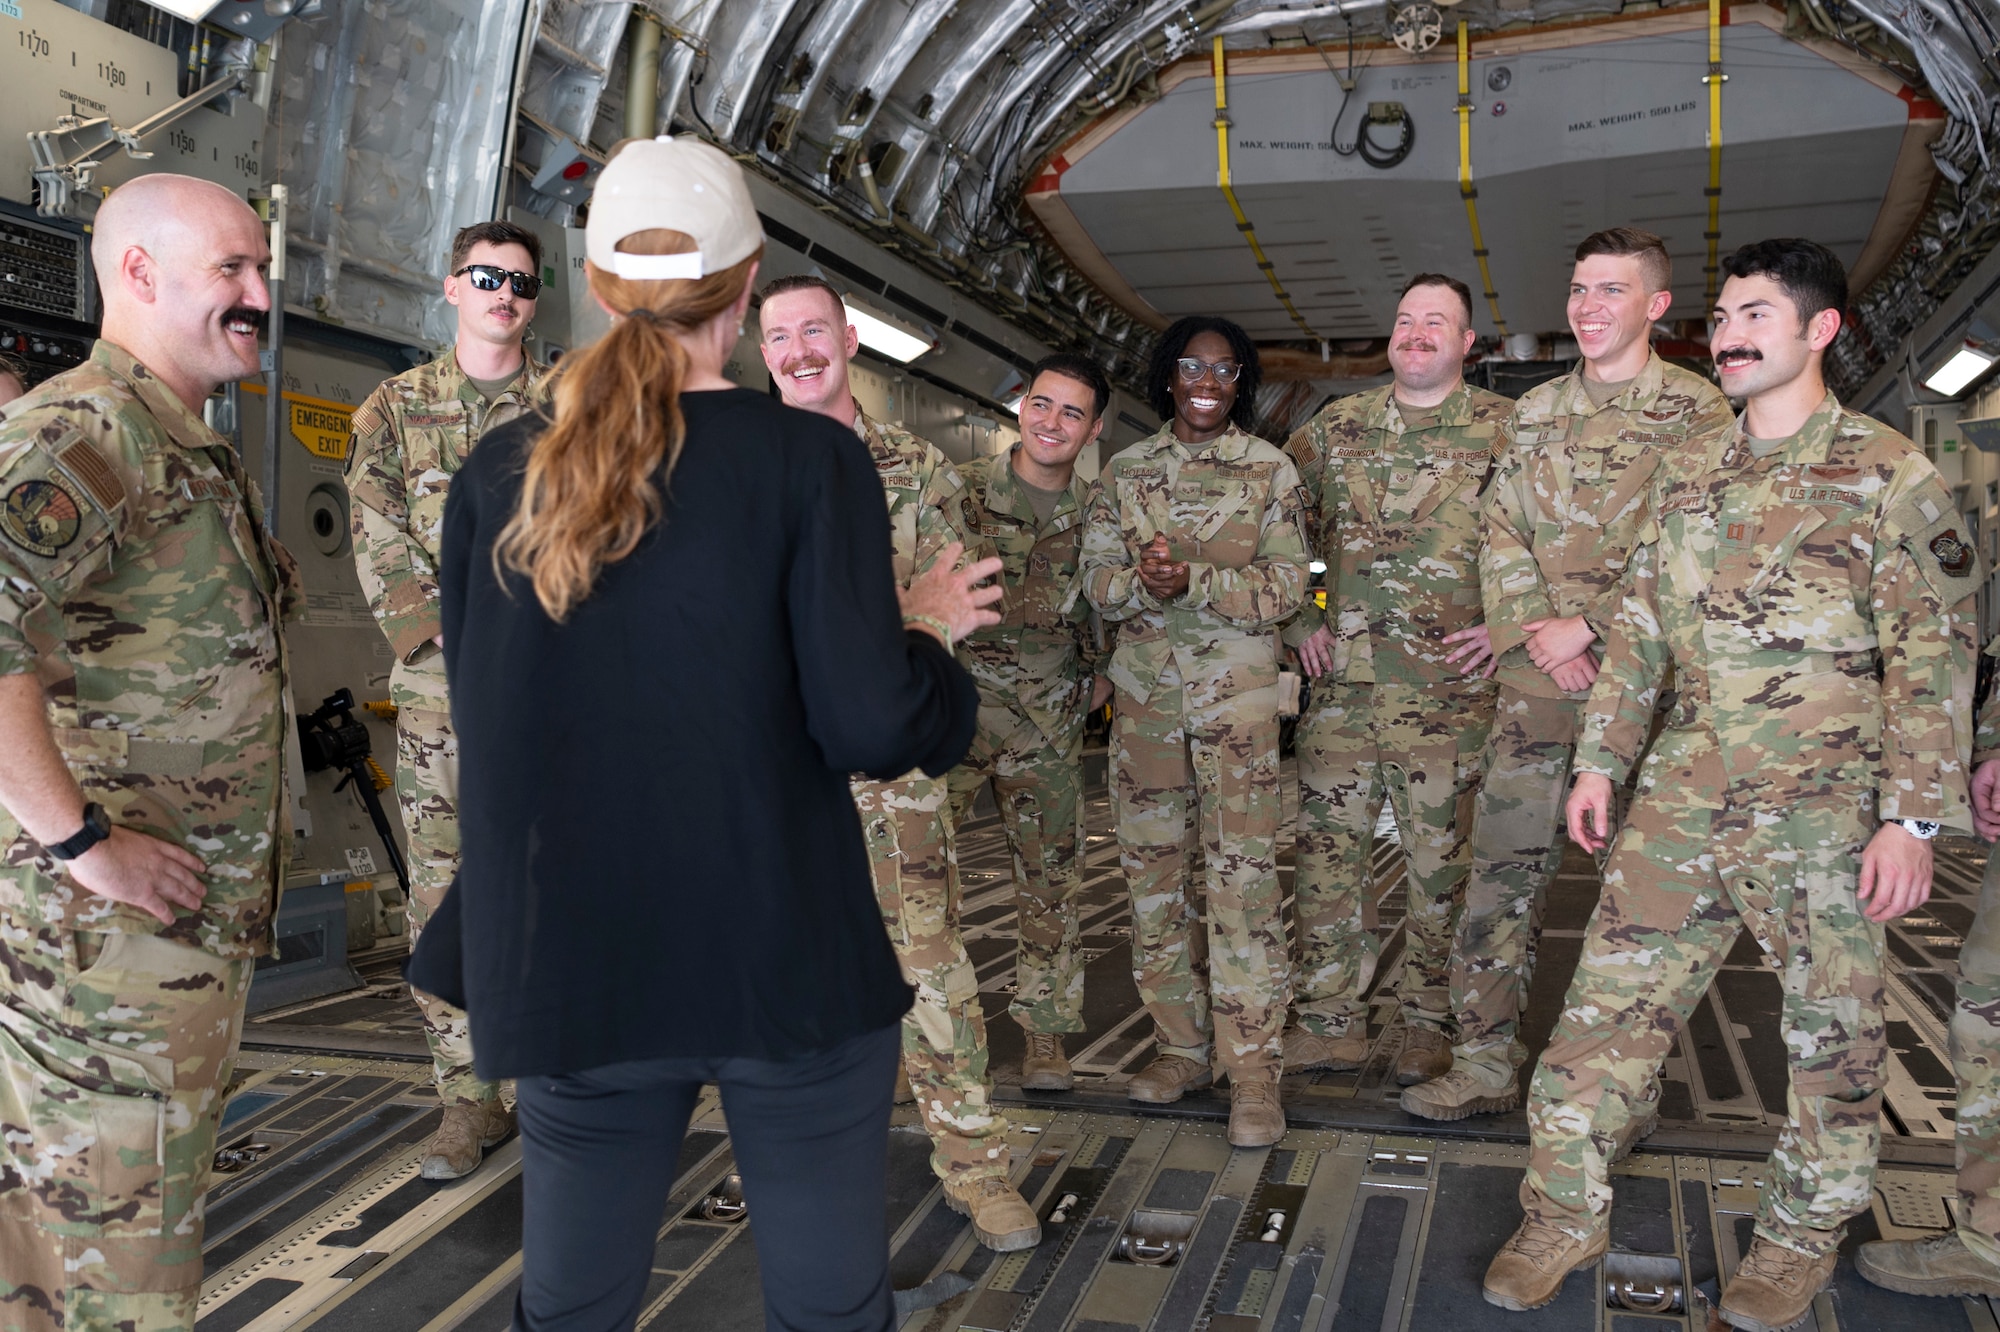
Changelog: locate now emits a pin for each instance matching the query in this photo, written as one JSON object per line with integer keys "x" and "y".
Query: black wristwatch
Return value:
{"x": 96, "y": 827}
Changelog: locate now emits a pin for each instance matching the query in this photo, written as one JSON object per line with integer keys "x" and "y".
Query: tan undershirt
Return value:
{"x": 1601, "y": 392}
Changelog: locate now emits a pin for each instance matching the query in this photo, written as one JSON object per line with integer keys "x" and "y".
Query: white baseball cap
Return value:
{"x": 679, "y": 184}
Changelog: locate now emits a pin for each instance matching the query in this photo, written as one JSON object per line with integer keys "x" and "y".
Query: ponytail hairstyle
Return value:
{"x": 589, "y": 495}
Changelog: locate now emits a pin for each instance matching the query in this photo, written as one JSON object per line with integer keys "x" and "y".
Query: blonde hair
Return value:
{"x": 588, "y": 495}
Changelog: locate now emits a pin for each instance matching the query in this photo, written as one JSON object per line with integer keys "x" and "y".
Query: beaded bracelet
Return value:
{"x": 931, "y": 622}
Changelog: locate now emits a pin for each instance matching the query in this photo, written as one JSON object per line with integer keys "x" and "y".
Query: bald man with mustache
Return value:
{"x": 142, "y": 744}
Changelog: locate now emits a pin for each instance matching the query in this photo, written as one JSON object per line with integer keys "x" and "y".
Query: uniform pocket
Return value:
{"x": 885, "y": 862}
{"x": 85, "y": 1142}
{"x": 1833, "y": 1016}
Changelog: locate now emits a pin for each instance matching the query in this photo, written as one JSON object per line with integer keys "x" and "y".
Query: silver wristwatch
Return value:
{"x": 1922, "y": 829}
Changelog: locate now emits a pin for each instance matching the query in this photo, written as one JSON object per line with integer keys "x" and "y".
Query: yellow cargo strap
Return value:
{"x": 1715, "y": 78}
{"x": 1264, "y": 264}
{"x": 1465, "y": 188}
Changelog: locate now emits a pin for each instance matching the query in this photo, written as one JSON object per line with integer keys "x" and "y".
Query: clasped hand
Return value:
{"x": 1164, "y": 576}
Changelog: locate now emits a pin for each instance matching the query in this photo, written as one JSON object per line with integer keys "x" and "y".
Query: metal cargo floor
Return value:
{"x": 1387, "y": 1221}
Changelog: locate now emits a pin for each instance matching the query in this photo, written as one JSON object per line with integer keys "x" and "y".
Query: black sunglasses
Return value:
{"x": 488, "y": 277}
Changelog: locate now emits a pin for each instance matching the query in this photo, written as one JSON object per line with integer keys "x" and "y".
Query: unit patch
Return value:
{"x": 41, "y": 516}
{"x": 1953, "y": 555}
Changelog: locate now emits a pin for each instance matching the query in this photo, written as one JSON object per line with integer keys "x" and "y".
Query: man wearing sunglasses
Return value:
{"x": 410, "y": 438}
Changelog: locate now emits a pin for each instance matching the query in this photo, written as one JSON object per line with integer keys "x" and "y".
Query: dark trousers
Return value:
{"x": 811, "y": 1138}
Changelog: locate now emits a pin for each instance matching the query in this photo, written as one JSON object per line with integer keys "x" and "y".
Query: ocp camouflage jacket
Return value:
{"x": 411, "y": 436}
{"x": 1035, "y": 661}
{"x": 1233, "y": 508}
{"x": 929, "y": 504}
{"x": 1396, "y": 515}
{"x": 1567, "y": 498}
{"x": 138, "y": 585}
{"x": 1816, "y": 606}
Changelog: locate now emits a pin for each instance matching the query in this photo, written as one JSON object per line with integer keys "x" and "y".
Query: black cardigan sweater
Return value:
{"x": 661, "y": 857}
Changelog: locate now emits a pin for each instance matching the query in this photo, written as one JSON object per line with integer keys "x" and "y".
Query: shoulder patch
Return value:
{"x": 1303, "y": 448}
{"x": 87, "y": 466}
{"x": 366, "y": 420}
{"x": 41, "y": 516}
{"x": 1953, "y": 556}
{"x": 1935, "y": 536}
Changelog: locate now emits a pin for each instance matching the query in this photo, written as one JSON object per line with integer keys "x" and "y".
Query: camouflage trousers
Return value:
{"x": 427, "y": 794}
{"x": 1680, "y": 885}
{"x": 1038, "y": 789}
{"x": 1975, "y": 1056}
{"x": 907, "y": 825}
{"x": 1204, "y": 765}
{"x": 115, "y": 1051}
{"x": 1359, "y": 744}
{"x": 1517, "y": 845}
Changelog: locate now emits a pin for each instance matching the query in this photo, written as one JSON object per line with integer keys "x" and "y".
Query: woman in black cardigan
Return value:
{"x": 672, "y": 631}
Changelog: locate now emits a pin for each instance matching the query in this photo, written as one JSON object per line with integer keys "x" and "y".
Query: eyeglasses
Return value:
{"x": 1191, "y": 368}
{"x": 488, "y": 277}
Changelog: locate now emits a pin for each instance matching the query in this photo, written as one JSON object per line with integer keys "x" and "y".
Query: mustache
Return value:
{"x": 806, "y": 363}
{"x": 1734, "y": 355}
{"x": 1416, "y": 344}
{"x": 244, "y": 314}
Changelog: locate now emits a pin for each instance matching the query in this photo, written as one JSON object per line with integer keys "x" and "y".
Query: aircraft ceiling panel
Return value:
{"x": 1564, "y": 142}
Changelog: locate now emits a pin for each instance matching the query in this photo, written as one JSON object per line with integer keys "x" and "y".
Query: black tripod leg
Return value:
{"x": 364, "y": 786}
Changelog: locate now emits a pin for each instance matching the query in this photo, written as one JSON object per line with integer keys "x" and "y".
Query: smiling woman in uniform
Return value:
{"x": 1195, "y": 545}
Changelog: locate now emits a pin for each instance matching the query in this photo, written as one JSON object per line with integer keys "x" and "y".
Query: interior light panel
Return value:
{"x": 878, "y": 334}
{"x": 1966, "y": 364}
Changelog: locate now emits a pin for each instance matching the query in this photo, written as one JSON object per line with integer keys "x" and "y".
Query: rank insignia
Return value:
{"x": 41, "y": 517}
{"x": 1953, "y": 555}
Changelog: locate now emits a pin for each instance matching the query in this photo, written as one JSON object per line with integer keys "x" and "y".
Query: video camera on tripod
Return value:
{"x": 331, "y": 737}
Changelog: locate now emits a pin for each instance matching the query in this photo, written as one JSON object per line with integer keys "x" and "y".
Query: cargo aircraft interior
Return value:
{"x": 986, "y": 183}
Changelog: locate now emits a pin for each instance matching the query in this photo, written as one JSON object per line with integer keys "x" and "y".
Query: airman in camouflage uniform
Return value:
{"x": 1397, "y": 513}
{"x": 907, "y": 824}
{"x": 411, "y": 436}
{"x": 1196, "y": 732}
{"x": 1567, "y": 498}
{"x": 806, "y": 343}
{"x": 1812, "y": 598}
{"x": 138, "y": 587}
{"x": 1034, "y": 671}
{"x": 1966, "y": 1259}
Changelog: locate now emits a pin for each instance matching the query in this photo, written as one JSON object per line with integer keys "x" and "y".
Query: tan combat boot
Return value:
{"x": 1426, "y": 1055}
{"x": 1306, "y": 1050}
{"x": 1256, "y": 1117}
{"x": 1167, "y": 1079}
{"x": 1001, "y": 1217}
{"x": 1939, "y": 1265}
{"x": 1045, "y": 1067}
{"x": 1458, "y": 1094}
{"x": 1528, "y": 1271}
{"x": 1774, "y": 1287}
{"x": 469, "y": 1128}
{"x": 905, "y": 1093}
